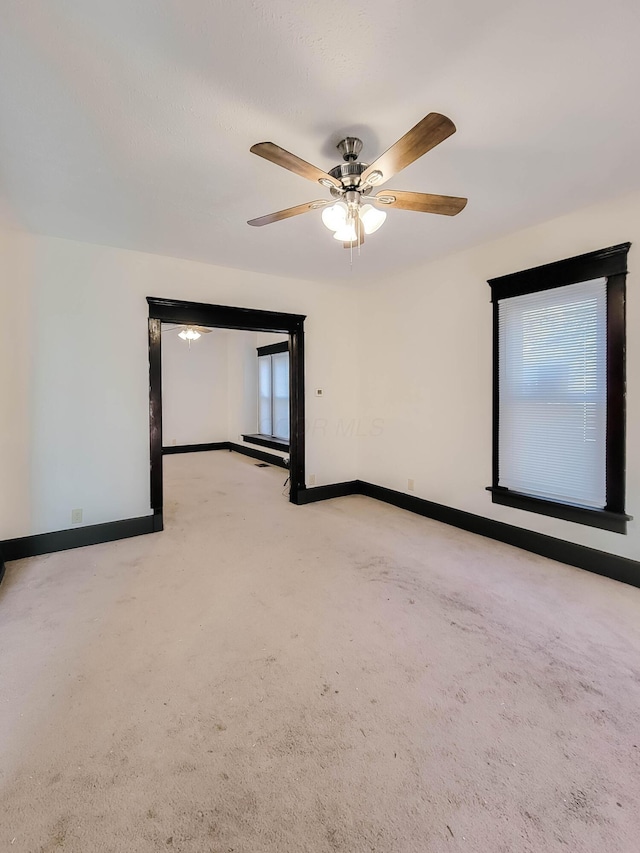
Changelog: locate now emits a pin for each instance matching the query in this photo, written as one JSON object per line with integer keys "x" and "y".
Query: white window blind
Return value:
{"x": 552, "y": 393}
{"x": 273, "y": 395}
{"x": 264, "y": 395}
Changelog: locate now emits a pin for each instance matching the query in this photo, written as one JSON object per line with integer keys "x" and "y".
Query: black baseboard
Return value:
{"x": 602, "y": 563}
{"x": 78, "y": 537}
{"x": 334, "y": 490}
{"x": 254, "y": 453}
{"x": 195, "y": 448}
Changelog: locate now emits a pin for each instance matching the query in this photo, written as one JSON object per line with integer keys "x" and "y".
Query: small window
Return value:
{"x": 559, "y": 401}
{"x": 273, "y": 391}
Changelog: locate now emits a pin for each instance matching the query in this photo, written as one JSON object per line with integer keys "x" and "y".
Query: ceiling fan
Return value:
{"x": 357, "y": 212}
{"x": 188, "y": 333}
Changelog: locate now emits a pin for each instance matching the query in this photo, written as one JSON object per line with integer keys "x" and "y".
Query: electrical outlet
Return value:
{"x": 411, "y": 486}
{"x": 76, "y": 516}
{"x": 319, "y": 392}
{"x": 312, "y": 479}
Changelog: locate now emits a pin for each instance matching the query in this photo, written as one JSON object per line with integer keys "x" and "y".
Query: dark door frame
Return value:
{"x": 225, "y": 317}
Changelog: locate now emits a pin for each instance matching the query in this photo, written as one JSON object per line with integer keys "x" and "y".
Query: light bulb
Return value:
{"x": 348, "y": 233}
{"x": 189, "y": 335}
{"x": 334, "y": 217}
{"x": 371, "y": 218}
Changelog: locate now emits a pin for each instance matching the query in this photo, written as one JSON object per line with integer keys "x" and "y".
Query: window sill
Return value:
{"x": 615, "y": 522}
{"x": 267, "y": 441}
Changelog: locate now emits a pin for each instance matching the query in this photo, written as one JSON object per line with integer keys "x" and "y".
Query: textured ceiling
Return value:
{"x": 128, "y": 123}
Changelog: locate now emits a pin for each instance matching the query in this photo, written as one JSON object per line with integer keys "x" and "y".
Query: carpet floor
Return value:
{"x": 344, "y": 676}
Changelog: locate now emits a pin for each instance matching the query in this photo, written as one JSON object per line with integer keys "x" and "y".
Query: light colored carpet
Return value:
{"x": 338, "y": 677}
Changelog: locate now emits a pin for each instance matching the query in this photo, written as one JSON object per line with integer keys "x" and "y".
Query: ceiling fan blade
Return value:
{"x": 202, "y": 329}
{"x": 448, "y": 205}
{"x": 431, "y": 131}
{"x": 271, "y": 151}
{"x": 289, "y": 211}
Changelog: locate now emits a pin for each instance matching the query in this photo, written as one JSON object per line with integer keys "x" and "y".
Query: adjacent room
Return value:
{"x": 224, "y": 386}
{"x": 320, "y": 406}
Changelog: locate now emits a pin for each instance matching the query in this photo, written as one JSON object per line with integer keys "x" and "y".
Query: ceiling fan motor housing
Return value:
{"x": 349, "y": 172}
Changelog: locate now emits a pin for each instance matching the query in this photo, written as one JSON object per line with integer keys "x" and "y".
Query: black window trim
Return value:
{"x": 262, "y": 438}
{"x": 609, "y": 263}
{"x": 273, "y": 349}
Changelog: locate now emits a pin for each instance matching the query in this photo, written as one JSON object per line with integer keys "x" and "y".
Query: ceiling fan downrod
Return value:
{"x": 350, "y": 148}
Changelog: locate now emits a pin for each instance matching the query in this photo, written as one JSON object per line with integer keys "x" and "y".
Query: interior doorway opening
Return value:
{"x": 279, "y": 422}
{"x": 225, "y": 385}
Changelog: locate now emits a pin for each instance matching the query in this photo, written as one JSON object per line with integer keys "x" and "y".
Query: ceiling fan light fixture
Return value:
{"x": 347, "y": 233}
{"x": 335, "y": 217}
{"x": 371, "y": 218}
{"x": 189, "y": 334}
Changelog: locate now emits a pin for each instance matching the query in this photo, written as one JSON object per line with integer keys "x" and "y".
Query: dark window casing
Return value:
{"x": 273, "y": 349}
{"x": 610, "y": 263}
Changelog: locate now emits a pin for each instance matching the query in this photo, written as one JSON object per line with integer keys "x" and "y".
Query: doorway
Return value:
{"x": 225, "y": 317}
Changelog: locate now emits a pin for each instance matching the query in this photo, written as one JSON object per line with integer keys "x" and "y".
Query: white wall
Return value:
{"x": 74, "y": 373}
{"x": 194, "y": 387}
{"x": 426, "y": 370}
{"x": 242, "y": 410}
{"x": 17, "y": 351}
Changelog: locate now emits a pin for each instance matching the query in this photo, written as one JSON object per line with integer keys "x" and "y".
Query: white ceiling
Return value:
{"x": 128, "y": 123}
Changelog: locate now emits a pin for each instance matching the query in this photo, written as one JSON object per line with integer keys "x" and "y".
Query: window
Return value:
{"x": 559, "y": 406}
{"x": 273, "y": 391}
